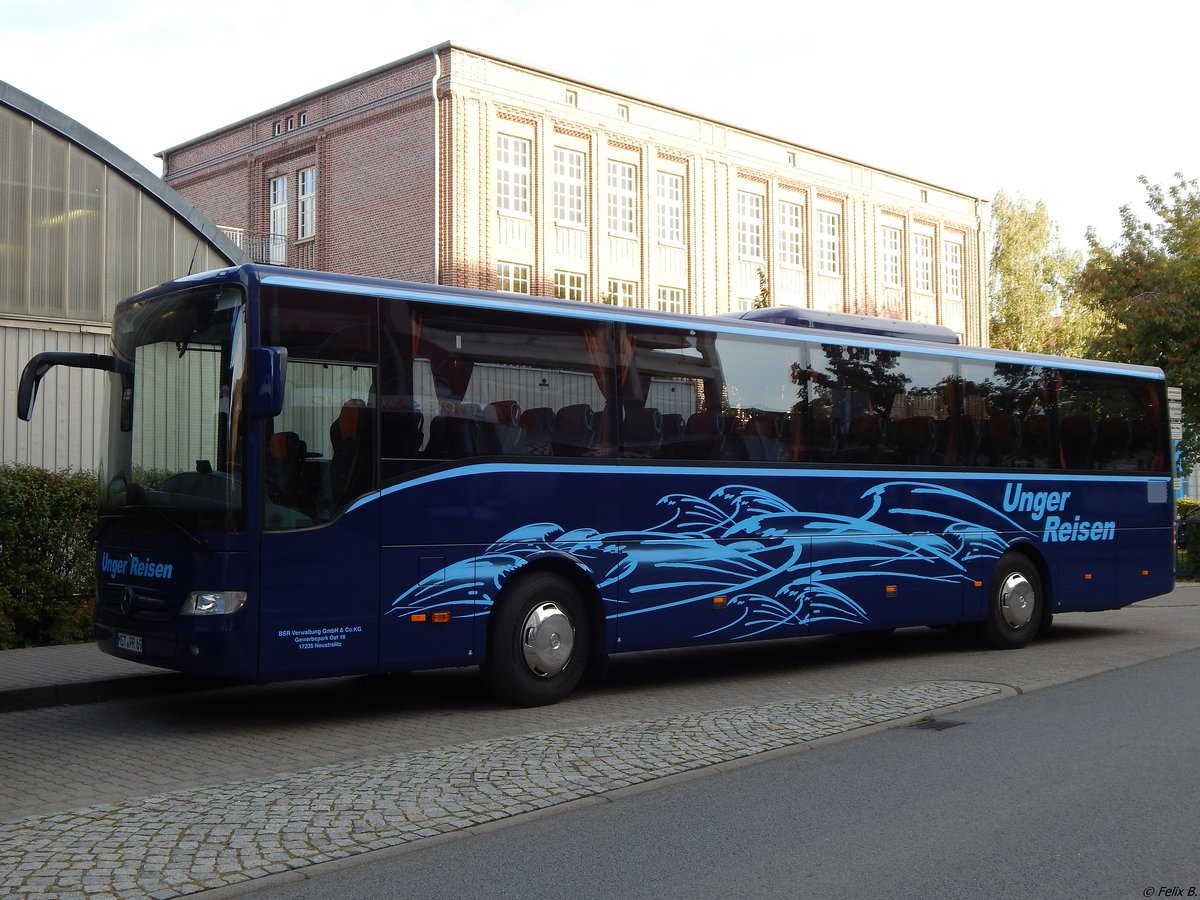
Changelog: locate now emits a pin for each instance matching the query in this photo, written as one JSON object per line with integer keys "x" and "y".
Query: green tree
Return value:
{"x": 763, "y": 299}
{"x": 1035, "y": 306}
{"x": 1148, "y": 282}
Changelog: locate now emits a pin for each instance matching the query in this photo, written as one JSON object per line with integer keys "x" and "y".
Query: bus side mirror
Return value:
{"x": 268, "y": 367}
{"x": 37, "y": 367}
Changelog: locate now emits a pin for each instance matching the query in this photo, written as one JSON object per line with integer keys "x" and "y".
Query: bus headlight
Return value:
{"x": 213, "y": 603}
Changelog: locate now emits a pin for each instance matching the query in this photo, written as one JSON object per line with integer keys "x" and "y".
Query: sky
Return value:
{"x": 1063, "y": 102}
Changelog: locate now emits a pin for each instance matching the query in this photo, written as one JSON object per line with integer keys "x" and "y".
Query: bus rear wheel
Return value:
{"x": 1016, "y": 604}
{"x": 538, "y": 642}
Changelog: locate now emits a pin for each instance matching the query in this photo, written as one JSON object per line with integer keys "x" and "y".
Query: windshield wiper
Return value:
{"x": 131, "y": 511}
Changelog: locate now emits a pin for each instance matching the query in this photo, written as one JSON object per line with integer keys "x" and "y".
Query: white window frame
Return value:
{"x": 791, "y": 234}
{"x": 278, "y": 236}
{"x": 952, "y": 269}
{"x": 922, "y": 263}
{"x": 670, "y": 207}
{"x": 570, "y": 285}
{"x": 306, "y": 204}
{"x": 672, "y": 300}
{"x": 623, "y": 293}
{"x": 891, "y": 268}
{"x": 512, "y": 277}
{"x": 568, "y": 186}
{"x": 750, "y": 224}
{"x": 828, "y": 242}
{"x": 622, "y": 198}
{"x": 512, "y": 175}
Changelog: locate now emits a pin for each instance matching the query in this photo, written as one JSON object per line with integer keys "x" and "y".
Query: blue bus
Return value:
{"x": 311, "y": 474}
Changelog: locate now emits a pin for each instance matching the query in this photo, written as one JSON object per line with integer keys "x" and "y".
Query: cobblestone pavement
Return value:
{"x": 167, "y": 792}
{"x": 187, "y": 841}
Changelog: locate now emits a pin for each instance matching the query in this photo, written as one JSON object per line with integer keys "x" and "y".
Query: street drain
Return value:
{"x": 936, "y": 724}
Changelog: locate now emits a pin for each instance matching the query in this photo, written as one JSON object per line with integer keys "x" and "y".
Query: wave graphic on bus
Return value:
{"x": 748, "y": 546}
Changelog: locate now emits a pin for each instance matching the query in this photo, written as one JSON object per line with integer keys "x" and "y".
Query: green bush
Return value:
{"x": 47, "y": 556}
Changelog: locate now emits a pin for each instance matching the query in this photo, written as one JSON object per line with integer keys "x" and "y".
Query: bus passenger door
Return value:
{"x": 319, "y": 594}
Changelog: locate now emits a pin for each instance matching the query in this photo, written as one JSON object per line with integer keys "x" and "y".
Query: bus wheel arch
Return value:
{"x": 544, "y": 634}
{"x": 1018, "y": 600}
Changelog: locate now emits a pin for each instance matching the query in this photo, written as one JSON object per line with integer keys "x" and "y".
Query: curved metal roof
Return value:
{"x": 121, "y": 162}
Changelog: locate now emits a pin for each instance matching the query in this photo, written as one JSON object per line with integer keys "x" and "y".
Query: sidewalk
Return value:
{"x": 37, "y": 677}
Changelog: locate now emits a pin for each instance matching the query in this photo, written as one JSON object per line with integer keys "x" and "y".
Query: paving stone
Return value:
{"x": 189, "y": 840}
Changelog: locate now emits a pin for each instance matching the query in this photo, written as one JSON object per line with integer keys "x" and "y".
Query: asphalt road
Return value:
{"x": 1090, "y": 790}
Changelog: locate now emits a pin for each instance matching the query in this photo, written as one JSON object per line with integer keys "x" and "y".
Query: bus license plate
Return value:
{"x": 129, "y": 642}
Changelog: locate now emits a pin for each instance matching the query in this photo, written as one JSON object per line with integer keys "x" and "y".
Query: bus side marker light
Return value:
{"x": 441, "y": 618}
{"x": 1087, "y": 576}
{"x": 418, "y": 617}
{"x": 978, "y": 584}
{"x": 1145, "y": 572}
{"x": 720, "y": 602}
{"x": 892, "y": 590}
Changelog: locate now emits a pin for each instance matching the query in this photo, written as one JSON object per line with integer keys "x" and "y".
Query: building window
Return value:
{"x": 622, "y": 293}
{"x": 512, "y": 175}
{"x": 923, "y": 263}
{"x": 303, "y": 119}
{"x": 749, "y": 225}
{"x": 279, "y": 221}
{"x": 571, "y": 98}
{"x": 622, "y": 198}
{"x": 512, "y": 277}
{"x": 671, "y": 299}
{"x": 952, "y": 268}
{"x": 791, "y": 234}
{"x": 306, "y": 204}
{"x": 791, "y": 158}
{"x": 828, "y": 248}
{"x": 623, "y": 111}
{"x": 291, "y": 123}
{"x": 278, "y": 129}
{"x": 568, "y": 286}
{"x": 670, "y": 208}
{"x": 889, "y": 257}
{"x": 568, "y": 187}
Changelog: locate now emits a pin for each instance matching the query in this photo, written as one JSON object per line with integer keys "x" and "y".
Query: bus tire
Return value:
{"x": 538, "y": 643}
{"x": 1015, "y": 604}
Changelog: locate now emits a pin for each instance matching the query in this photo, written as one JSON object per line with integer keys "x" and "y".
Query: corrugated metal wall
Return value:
{"x": 65, "y": 431}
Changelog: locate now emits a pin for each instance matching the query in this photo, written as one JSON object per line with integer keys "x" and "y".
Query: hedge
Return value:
{"x": 47, "y": 556}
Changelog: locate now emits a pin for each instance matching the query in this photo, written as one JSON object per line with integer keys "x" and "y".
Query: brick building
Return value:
{"x": 463, "y": 168}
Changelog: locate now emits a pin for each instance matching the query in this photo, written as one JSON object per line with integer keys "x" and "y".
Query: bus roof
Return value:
{"x": 804, "y": 323}
{"x": 832, "y": 321}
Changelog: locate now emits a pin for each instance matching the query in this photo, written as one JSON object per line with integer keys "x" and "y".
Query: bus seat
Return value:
{"x": 401, "y": 432}
{"x": 703, "y": 437}
{"x": 1078, "y": 436}
{"x": 504, "y": 417}
{"x": 642, "y": 433}
{"x": 915, "y": 439}
{"x": 539, "y": 425}
{"x": 762, "y": 437}
{"x": 820, "y": 446}
{"x": 352, "y": 465}
{"x": 1114, "y": 436}
{"x": 576, "y": 429}
{"x": 864, "y": 439}
{"x": 999, "y": 439}
{"x": 286, "y": 453}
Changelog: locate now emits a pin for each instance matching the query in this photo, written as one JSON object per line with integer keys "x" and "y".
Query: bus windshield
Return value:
{"x": 176, "y": 434}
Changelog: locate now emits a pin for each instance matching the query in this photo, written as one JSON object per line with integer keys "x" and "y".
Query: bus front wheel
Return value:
{"x": 538, "y": 642}
{"x": 1016, "y": 604}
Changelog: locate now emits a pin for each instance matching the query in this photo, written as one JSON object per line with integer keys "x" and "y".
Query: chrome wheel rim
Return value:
{"x": 1017, "y": 600}
{"x": 547, "y": 639}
